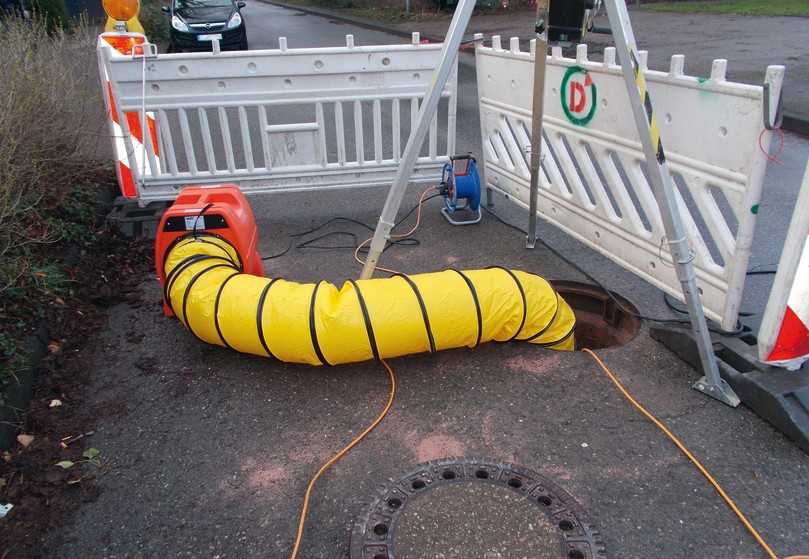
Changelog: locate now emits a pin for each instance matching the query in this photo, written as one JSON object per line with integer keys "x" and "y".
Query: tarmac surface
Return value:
{"x": 211, "y": 450}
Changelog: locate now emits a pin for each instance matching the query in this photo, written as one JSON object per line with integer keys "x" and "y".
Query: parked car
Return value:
{"x": 196, "y": 23}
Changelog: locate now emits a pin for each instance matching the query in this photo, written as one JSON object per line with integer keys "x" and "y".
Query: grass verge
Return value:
{"x": 386, "y": 14}
{"x": 390, "y": 14}
{"x": 738, "y": 7}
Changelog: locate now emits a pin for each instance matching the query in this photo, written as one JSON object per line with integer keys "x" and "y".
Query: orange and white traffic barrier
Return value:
{"x": 134, "y": 154}
{"x": 783, "y": 339}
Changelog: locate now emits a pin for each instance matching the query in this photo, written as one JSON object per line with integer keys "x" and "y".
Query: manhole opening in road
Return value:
{"x": 600, "y": 321}
{"x": 474, "y": 509}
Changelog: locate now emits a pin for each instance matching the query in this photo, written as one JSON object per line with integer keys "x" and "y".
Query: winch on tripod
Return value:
{"x": 460, "y": 183}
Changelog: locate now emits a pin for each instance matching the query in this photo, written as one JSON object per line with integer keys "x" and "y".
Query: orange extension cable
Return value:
{"x": 624, "y": 392}
{"x": 380, "y": 417}
{"x": 402, "y": 236}
{"x": 339, "y": 455}
{"x": 679, "y": 444}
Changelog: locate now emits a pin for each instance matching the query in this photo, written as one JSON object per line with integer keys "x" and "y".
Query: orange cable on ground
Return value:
{"x": 402, "y": 236}
{"x": 338, "y": 456}
{"x": 679, "y": 444}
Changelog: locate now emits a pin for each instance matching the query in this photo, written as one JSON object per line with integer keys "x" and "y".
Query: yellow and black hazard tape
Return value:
{"x": 654, "y": 130}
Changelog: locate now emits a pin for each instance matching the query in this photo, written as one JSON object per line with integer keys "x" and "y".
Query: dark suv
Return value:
{"x": 196, "y": 23}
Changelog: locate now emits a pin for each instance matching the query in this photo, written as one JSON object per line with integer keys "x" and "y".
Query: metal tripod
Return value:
{"x": 711, "y": 383}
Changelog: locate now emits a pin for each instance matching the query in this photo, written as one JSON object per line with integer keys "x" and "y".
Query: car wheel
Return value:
{"x": 243, "y": 45}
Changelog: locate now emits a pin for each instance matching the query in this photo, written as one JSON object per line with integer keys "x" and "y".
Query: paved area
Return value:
{"x": 211, "y": 450}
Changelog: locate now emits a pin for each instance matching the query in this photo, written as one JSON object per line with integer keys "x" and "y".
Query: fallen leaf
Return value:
{"x": 59, "y": 301}
{"x": 54, "y": 347}
{"x": 91, "y": 453}
{"x": 66, "y": 464}
{"x": 25, "y": 440}
{"x": 55, "y": 403}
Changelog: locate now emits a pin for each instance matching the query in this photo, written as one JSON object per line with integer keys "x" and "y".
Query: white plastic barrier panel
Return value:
{"x": 129, "y": 146}
{"x": 783, "y": 339}
{"x": 594, "y": 184}
{"x": 275, "y": 120}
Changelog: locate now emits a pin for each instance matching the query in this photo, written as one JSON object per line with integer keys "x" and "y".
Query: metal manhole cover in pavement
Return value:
{"x": 474, "y": 508}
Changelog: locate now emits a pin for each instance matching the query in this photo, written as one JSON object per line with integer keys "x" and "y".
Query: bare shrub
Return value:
{"x": 51, "y": 120}
{"x": 154, "y": 20}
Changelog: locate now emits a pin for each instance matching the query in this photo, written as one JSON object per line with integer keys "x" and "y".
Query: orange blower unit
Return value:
{"x": 220, "y": 211}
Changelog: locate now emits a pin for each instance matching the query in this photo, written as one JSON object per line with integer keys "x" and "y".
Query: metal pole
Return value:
{"x": 407, "y": 6}
{"x": 540, "y": 53}
{"x": 429, "y": 107}
{"x": 712, "y": 383}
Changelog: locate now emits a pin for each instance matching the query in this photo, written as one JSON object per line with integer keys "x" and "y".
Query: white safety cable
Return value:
{"x": 692, "y": 254}
{"x": 143, "y": 130}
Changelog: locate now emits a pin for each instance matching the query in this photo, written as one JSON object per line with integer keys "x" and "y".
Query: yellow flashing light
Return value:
{"x": 121, "y": 10}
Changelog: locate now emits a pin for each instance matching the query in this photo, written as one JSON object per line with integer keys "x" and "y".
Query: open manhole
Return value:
{"x": 600, "y": 322}
{"x": 474, "y": 509}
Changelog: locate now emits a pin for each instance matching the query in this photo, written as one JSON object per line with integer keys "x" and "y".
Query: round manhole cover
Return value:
{"x": 474, "y": 509}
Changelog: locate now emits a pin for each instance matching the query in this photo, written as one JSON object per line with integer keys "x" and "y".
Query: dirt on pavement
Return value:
{"x": 59, "y": 420}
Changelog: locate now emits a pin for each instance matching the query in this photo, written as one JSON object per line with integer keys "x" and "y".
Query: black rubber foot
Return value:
{"x": 779, "y": 396}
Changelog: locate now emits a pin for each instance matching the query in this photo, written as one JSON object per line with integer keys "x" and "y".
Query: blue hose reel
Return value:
{"x": 460, "y": 183}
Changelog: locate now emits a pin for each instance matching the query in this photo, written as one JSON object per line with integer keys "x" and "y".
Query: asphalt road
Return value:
{"x": 210, "y": 451}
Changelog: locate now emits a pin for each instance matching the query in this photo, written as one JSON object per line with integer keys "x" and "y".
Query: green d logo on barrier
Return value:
{"x": 579, "y": 96}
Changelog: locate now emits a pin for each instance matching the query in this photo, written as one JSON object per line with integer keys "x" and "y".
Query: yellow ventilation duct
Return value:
{"x": 320, "y": 324}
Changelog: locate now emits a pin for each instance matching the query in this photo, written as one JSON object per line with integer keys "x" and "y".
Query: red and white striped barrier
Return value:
{"x": 134, "y": 155}
{"x": 783, "y": 339}
{"x": 233, "y": 118}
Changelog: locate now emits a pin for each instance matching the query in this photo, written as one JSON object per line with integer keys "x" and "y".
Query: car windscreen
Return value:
{"x": 197, "y": 4}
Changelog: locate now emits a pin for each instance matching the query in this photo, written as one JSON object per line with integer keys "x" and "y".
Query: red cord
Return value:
{"x": 773, "y": 157}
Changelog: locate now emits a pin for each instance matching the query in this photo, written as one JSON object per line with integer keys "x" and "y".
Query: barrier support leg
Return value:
{"x": 540, "y": 53}
{"x": 776, "y": 395}
{"x": 711, "y": 383}
{"x": 449, "y": 53}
